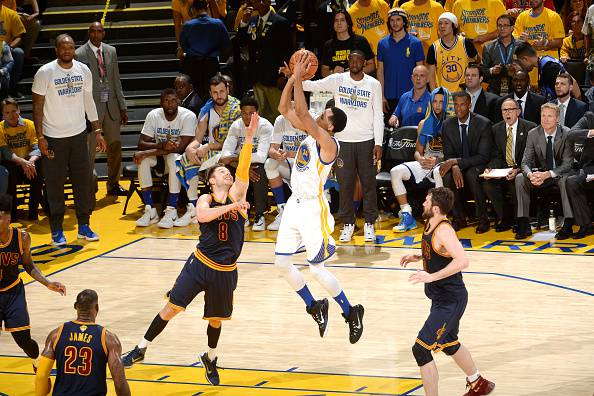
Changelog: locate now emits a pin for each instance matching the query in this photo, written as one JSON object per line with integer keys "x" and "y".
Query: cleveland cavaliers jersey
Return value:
{"x": 451, "y": 64}
{"x": 11, "y": 257}
{"x": 309, "y": 172}
{"x": 81, "y": 360}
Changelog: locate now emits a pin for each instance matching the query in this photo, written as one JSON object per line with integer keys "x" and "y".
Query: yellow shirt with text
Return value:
{"x": 19, "y": 139}
{"x": 371, "y": 22}
{"x": 10, "y": 25}
{"x": 547, "y": 25}
{"x": 477, "y": 17}
{"x": 423, "y": 19}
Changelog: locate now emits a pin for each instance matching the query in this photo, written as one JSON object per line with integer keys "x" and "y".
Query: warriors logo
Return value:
{"x": 303, "y": 157}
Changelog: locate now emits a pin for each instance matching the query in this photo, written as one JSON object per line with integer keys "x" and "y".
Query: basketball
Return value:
{"x": 313, "y": 63}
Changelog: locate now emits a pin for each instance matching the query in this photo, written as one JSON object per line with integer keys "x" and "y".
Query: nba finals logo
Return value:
{"x": 303, "y": 157}
{"x": 451, "y": 69}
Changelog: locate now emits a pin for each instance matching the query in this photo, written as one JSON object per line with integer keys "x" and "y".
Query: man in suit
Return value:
{"x": 108, "y": 95}
{"x": 510, "y": 141}
{"x": 188, "y": 98}
{"x": 571, "y": 110}
{"x": 529, "y": 102}
{"x": 269, "y": 41}
{"x": 481, "y": 101}
{"x": 547, "y": 161}
{"x": 467, "y": 141}
{"x": 582, "y": 134}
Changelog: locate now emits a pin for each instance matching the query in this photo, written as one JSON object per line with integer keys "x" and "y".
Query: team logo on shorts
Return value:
{"x": 303, "y": 158}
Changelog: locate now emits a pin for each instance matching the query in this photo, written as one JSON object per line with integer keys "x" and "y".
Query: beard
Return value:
{"x": 427, "y": 214}
{"x": 221, "y": 102}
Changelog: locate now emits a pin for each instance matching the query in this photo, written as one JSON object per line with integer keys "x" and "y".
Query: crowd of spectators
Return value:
{"x": 490, "y": 86}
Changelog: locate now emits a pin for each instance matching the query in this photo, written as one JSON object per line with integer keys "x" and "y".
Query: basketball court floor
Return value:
{"x": 528, "y": 323}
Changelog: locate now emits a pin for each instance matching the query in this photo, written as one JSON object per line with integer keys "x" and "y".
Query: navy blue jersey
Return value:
{"x": 221, "y": 239}
{"x": 81, "y": 360}
{"x": 450, "y": 288}
{"x": 11, "y": 257}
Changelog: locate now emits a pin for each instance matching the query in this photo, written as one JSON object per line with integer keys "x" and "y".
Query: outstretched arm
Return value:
{"x": 116, "y": 367}
{"x": 46, "y": 363}
{"x": 242, "y": 175}
{"x": 33, "y": 270}
{"x": 285, "y": 107}
{"x": 204, "y": 213}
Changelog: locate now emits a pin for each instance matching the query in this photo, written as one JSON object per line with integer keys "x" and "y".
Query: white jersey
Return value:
{"x": 309, "y": 171}
{"x": 287, "y": 135}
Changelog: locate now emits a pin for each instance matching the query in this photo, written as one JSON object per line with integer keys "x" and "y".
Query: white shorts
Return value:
{"x": 420, "y": 173}
{"x": 306, "y": 223}
{"x": 275, "y": 169}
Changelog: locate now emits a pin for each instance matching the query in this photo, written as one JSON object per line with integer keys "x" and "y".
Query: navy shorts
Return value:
{"x": 441, "y": 327}
{"x": 13, "y": 309}
{"x": 218, "y": 288}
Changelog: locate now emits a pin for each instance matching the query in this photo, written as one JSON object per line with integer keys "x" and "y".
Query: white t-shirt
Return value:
{"x": 287, "y": 136}
{"x": 65, "y": 102}
{"x": 236, "y": 137}
{"x": 159, "y": 128}
{"x": 360, "y": 100}
{"x": 214, "y": 121}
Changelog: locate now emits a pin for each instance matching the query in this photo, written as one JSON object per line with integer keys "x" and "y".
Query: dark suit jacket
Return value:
{"x": 480, "y": 140}
{"x": 192, "y": 102}
{"x": 486, "y": 105}
{"x": 575, "y": 110}
{"x": 536, "y": 149}
{"x": 116, "y": 101}
{"x": 577, "y": 136}
{"x": 268, "y": 51}
{"x": 531, "y": 108}
{"x": 500, "y": 140}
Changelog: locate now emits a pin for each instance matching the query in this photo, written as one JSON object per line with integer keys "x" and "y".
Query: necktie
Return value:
{"x": 465, "y": 147}
{"x": 509, "y": 155}
{"x": 521, "y": 109}
{"x": 549, "y": 158}
{"x": 562, "y": 114}
{"x": 102, "y": 71}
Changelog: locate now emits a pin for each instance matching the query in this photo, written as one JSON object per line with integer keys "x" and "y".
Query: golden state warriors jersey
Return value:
{"x": 451, "y": 63}
{"x": 309, "y": 172}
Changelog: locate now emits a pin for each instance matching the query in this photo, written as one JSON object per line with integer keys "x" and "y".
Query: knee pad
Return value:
{"x": 422, "y": 355}
{"x": 450, "y": 350}
{"x": 397, "y": 172}
{"x": 26, "y": 343}
{"x": 282, "y": 263}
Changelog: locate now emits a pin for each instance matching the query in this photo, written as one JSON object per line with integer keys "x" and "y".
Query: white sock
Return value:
{"x": 143, "y": 343}
{"x": 473, "y": 377}
{"x": 281, "y": 207}
{"x": 212, "y": 353}
{"x": 406, "y": 208}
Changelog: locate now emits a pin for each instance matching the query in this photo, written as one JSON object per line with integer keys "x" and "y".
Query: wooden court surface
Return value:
{"x": 528, "y": 324}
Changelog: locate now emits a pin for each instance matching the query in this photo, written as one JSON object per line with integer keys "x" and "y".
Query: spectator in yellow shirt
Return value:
{"x": 183, "y": 12}
{"x": 478, "y": 19}
{"x": 18, "y": 135}
{"x": 422, "y": 19}
{"x": 573, "y": 47}
{"x": 541, "y": 28}
{"x": 370, "y": 19}
{"x": 12, "y": 32}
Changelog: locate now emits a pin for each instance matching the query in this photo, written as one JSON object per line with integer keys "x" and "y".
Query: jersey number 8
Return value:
{"x": 223, "y": 232}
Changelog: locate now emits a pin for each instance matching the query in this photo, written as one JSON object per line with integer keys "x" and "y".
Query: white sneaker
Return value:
{"x": 168, "y": 218}
{"x": 149, "y": 217}
{"x": 347, "y": 233}
{"x": 187, "y": 218}
{"x": 259, "y": 224}
{"x": 369, "y": 232}
{"x": 275, "y": 225}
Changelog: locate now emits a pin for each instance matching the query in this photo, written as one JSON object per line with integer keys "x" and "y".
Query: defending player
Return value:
{"x": 82, "y": 349}
{"x": 211, "y": 268}
{"x": 307, "y": 221}
{"x": 443, "y": 261}
{"x": 15, "y": 251}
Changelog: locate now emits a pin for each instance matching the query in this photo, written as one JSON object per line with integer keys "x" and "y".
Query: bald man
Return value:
{"x": 108, "y": 95}
{"x": 413, "y": 104}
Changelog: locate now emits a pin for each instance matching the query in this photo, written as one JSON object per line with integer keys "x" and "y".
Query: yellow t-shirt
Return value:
{"x": 10, "y": 25}
{"x": 371, "y": 22}
{"x": 547, "y": 25}
{"x": 19, "y": 139}
{"x": 572, "y": 48}
{"x": 423, "y": 19}
{"x": 477, "y": 17}
{"x": 184, "y": 7}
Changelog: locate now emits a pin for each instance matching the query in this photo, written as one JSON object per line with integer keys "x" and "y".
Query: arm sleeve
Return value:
{"x": 329, "y": 84}
{"x": 148, "y": 128}
{"x": 189, "y": 125}
{"x": 326, "y": 54}
{"x": 40, "y": 82}
{"x": 565, "y": 47}
{"x": 378, "y": 115}
{"x": 277, "y": 134}
{"x": 263, "y": 144}
{"x": 419, "y": 53}
{"x": 230, "y": 144}
{"x": 7, "y": 58}
{"x": 90, "y": 107}
{"x": 43, "y": 372}
{"x": 483, "y": 152}
{"x": 245, "y": 159}
{"x": 366, "y": 48}
{"x": 431, "y": 60}
{"x": 470, "y": 48}
{"x": 487, "y": 62}
{"x": 558, "y": 31}
{"x": 118, "y": 82}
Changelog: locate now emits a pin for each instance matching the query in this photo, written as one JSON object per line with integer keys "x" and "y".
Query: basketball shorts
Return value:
{"x": 306, "y": 223}
{"x": 218, "y": 288}
{"x": 13, "y": 309}
{"x": 419, "y": 173}
{"x": 441, "y": 327}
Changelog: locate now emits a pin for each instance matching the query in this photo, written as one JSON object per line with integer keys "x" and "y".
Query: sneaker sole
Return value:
{"x": 206, "y": 373}
{"x": 90, "y": 239}
{"x": 59, "y": 243}
{"x": 258, "y": 229}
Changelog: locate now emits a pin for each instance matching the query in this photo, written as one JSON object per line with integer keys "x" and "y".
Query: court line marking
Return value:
{"x": 238, "y": 386}
{"x": 339, "y": 244}
{"x": 330, "y": 265}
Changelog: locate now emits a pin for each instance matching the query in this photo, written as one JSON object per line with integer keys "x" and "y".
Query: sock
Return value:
{"x": 194, "y": 202}
{"x": 147, "y": 197}
{"x": 213, "y": 334}
{"x": 156, "y": 327}
{"x": 356, "y": 205}
{"x": 212, "y": 354}
{"x": 342, "y": 300}
{"x": 406, "y": 208}
{"x": 172, "y": 200}
{"x": 144, "y": 343}
{"x": 473, "y": 377}
{"x": 279, "y": 194}
{"x": 306, "y": 295}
